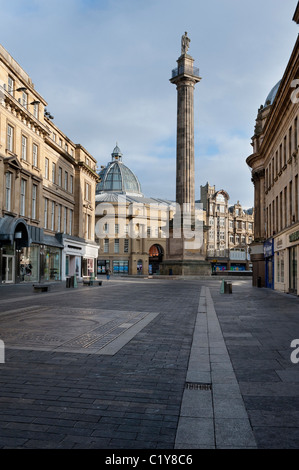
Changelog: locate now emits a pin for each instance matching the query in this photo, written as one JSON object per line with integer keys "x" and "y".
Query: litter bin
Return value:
{"x": 72, "y": 283}
{"x": 68, "y": 282}
{"x": 170, "y": 272}
{"x": 259, "y": 281}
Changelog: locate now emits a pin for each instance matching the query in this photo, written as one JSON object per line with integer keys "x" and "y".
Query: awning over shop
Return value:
{"x": 14, "y": 229}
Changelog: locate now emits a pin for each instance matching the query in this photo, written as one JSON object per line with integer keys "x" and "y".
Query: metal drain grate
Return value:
{"x": 198, "y": 386}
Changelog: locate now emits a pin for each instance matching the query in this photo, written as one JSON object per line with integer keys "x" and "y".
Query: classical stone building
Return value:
{"x": 131, "y": 229}
{"x": 47, "y": 191}
{"x": 274, "y": 164}
{"x": 230, "y": 231}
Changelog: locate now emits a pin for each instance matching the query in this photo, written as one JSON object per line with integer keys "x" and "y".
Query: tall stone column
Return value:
{"x": 185, "y": 257}
{"x": 185, "y": 77}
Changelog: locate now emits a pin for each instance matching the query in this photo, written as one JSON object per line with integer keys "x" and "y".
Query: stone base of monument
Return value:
{"x": 185, "y": 268}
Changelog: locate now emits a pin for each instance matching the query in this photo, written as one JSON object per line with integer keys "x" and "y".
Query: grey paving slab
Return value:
{"x": 162, "y": 336}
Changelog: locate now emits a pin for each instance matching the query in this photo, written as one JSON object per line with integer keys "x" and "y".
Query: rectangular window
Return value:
{"x": 66, "y": 180}
{"x": 126, "y": 245}
{"x": 35, "y": 110}
{"x": 35, "y": 155}
{"x": 24, "y": 99}
{"x": 88, "y": 226}
{"x": 54, "y": 137}
{"x": 52, "y": 215}
{"x": 285, "y": 150}
{"x": 53, "y": 172}
{"x": 24, "y": 147}
{"x": 46, "y": 168}
{"x": 87, "y": 191}
{"x": 23, "y": 197}
{"x": 106, "y": 245}
{"x": 116, "y": 229}
{"x": 59, "y": 219}
{"x": 34, "y": 196}
{"x": 10, "y": 137}
{"x": 72, "y": 184}
{"x": 11, "y": 86}
{"x": 296, "y": 134}
{"x": 70, "y": 222}
{"x": 60, "y": 176}
{"x": 116, "y": 245}
{"x": 106, "y": 228}
{"x": 65, "y": 220}
{"x": 8, "y": 191}
{"x": 46, "y": 213}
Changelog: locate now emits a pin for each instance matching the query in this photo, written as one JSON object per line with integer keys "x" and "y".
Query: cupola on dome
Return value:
{"x": 117, "y": 177}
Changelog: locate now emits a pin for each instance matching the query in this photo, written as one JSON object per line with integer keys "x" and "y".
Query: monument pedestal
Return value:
{"x": 183, "y": 260}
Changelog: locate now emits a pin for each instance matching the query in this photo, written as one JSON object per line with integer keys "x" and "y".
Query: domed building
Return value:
{"x": 130, "y": 230}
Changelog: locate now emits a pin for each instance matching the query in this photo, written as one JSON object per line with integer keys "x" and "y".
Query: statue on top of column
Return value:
{"x": 185, "y": 43}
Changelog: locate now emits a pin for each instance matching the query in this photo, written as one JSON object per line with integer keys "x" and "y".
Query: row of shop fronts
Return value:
{"x": 27, "y": 254}
{"x": 281, "y": 262}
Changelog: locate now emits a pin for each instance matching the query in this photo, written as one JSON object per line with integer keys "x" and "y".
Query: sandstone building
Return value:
{"x": 230, "y": 231}
{"x": 47, "y": 191}
{"x": 274, "y": 164}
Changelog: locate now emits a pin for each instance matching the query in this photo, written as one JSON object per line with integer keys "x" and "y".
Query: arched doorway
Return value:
{"x": 155, "y": 258}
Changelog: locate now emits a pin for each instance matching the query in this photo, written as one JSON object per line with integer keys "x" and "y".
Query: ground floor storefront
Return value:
{"x": 27, "y": 254}
{"x": 286, "y": 255}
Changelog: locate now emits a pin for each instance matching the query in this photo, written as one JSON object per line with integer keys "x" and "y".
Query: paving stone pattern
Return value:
{"x": 129, "y": 400}
{"x": 258, "y": 326}
{"x": 184, "y": 367}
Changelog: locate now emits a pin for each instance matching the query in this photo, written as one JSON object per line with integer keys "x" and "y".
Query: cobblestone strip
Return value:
{"x": 212, "y": 413}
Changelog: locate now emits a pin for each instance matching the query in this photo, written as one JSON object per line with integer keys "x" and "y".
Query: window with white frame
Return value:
{"x": 53, "y": 172}
{"x": 46, "y": 201}
{"x": 23, "y": 197}
{"x": 60, "y": 176}
{"x": 24, "y": 99}
{"x": 66, "y": 178}
{"x": 11, "y": 86}
{"x": 8, "y": 181}
{"x": 24, "y": 148}
{"x": 70, "y": 222}
{"x": 35, "y": 110}
{"x": 46, "y": 168}
{"x": 33, "y": 202}
{"x": 52, "y": 215}
{"x": 10, "y": 138}
{"x": 35, "y": 155}
{"x": 87, "y": 191}
{"x": 65, "y": 220}
{"x": 59, "y": 219}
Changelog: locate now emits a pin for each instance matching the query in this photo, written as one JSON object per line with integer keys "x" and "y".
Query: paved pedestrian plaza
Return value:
{"x": 140, "y": 363}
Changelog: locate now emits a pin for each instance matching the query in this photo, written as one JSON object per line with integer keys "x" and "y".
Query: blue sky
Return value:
{"x": 104, "y": 67}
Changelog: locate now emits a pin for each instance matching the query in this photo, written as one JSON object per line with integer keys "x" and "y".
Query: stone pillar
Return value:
{"x": 185, "y": 77}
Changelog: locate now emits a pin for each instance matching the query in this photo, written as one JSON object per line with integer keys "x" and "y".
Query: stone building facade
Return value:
{"x": 131, "y": 229}
{"x": 230, "y": 231}
{"x": 47, "y": 191}
{"x": 274, "y": 164}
